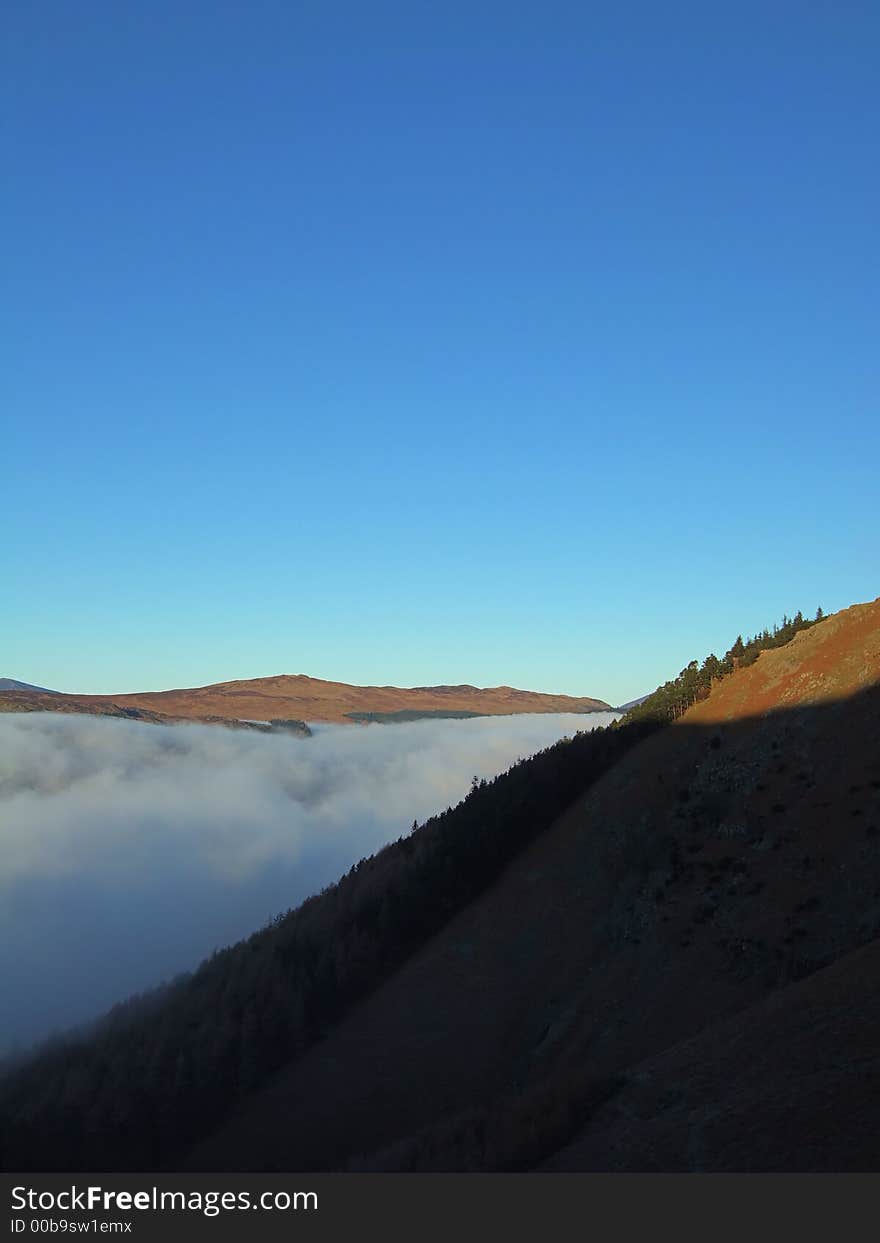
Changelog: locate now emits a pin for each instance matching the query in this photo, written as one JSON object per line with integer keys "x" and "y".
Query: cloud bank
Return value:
{"x": 129, "y": 851}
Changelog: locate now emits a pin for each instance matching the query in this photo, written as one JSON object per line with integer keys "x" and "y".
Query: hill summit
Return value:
{"x": 312, "y": 699}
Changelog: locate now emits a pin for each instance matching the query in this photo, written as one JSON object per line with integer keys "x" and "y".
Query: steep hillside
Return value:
{"x": 831, "y": 660}
{"x": 714, "y": 867}
{"x": 787, "y": 1084}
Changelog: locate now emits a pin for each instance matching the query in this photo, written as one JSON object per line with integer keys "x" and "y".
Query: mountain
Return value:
{"x": 10, "y": 684}
{"x": 311, "y": 699}
{"x": 633, "y": 703}
{"x": 653, "y": 947}
{"x": 652, "y": 983}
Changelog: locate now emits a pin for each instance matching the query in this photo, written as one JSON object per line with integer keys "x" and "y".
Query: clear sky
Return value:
{"x": 414, "y": 343}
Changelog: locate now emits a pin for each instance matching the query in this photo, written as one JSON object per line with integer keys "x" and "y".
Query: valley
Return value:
{"x": 597, "y": 960}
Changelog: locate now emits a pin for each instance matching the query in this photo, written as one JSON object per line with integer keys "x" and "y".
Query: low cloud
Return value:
{"x": 130, "y": 851}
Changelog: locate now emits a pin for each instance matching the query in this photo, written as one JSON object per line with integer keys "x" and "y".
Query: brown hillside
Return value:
{"x": 803, "y": 1064}
{"x": 839, "y": 656}
{"x": 311, "y": 699}
{"x": 570, "y": 1017}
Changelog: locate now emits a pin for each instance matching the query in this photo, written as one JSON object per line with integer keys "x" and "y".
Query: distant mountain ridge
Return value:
{"x": 12, "y": 684}
{"x": 313, "y": 699}
{"x": 633, "y": 703}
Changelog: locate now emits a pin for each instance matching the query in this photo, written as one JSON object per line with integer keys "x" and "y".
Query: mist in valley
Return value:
{"x": 129, "y": 851}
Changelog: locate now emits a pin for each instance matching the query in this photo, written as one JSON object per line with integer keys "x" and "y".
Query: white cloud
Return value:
{"x": 129, "y": 851}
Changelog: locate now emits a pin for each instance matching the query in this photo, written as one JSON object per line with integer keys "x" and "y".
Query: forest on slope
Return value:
{"x": 671, "y": 700}
{"x": 163, "y": 1069}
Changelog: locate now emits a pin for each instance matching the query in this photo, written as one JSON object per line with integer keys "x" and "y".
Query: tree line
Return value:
{"x": 694, "y": 682}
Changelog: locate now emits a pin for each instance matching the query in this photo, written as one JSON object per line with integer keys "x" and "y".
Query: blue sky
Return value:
{"x": 413, "y": 343}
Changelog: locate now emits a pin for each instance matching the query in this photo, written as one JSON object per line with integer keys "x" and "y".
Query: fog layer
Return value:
{"x": 130, "y": 851}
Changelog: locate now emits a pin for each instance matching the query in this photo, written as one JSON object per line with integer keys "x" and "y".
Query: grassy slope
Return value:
{"x": 834, "y": 659}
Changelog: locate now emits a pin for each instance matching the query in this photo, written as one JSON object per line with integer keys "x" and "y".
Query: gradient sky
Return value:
{"x": 415, "y": 343}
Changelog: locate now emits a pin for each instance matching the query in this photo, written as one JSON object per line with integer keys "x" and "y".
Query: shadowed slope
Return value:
{"x": 710, "y": 867}
{"x": 792, "y": 1083}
